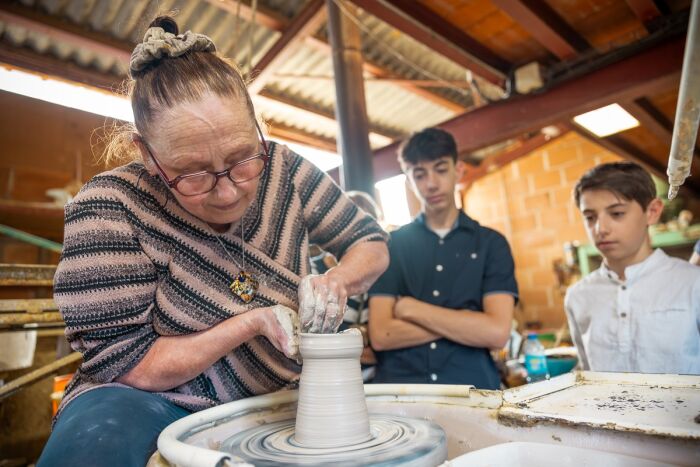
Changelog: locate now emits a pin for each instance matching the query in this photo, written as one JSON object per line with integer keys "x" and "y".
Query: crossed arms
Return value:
{"x": 408, "y": 322}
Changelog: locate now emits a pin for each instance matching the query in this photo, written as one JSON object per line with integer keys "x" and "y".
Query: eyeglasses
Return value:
{"x": 199, "y": 183}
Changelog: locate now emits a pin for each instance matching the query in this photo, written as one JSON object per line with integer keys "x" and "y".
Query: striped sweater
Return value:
{"x": 136, "y": 266}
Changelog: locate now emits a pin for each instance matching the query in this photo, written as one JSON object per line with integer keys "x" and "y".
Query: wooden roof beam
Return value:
{"x": 295, "y": 135}
{"x": 627, "y": 79}
{"x": 645, "y": 10}
{"x": 52, "y": 66}
{"x": 546, "y": 26}
{"x": 276, "y": 22}
{"x": 324, "y": 112}
{"x": 304, "y": 25}
{"x": 64, "y": 31}
{"x": 653, "y": 120}
{"x": 381, "y": 72}
{"x": 650, "y": 118}
{"x": 263, "y": 16}
{"x": 427, "y": 27}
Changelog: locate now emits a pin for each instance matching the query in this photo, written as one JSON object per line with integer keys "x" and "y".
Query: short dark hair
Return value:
{"x": 625, "y": 179}
{"x": 428, "y": 145}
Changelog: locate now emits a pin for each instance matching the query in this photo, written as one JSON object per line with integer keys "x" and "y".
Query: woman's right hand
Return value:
{"x": 280, "y": 325}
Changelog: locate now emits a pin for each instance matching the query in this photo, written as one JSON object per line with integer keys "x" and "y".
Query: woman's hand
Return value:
{"x": 322, "y": 300}
{"x": 280, "y": 325}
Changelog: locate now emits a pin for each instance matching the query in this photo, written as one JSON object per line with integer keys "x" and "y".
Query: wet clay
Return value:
{"x": 332, "y": 425}
{"x": 331, "y": 410}
{"x": 289, "y": 322}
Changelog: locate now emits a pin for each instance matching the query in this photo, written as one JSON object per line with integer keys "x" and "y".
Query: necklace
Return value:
{"x": 244, "y": 285}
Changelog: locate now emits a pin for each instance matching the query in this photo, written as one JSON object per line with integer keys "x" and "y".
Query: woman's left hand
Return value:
{"x": 322, "y": 300}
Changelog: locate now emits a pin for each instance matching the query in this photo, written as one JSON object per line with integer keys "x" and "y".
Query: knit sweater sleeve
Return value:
{"x": 334, "y": 222}
{"x": 104, "y": 288}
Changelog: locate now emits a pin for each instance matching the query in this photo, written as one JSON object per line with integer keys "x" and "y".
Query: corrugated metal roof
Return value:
{"x": 389, "y": 106}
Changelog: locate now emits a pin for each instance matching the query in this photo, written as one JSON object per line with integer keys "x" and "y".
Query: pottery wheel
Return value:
{"x": 394, "y": 440}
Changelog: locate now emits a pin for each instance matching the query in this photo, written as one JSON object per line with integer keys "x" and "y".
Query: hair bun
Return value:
{"x": 166, "y": 23}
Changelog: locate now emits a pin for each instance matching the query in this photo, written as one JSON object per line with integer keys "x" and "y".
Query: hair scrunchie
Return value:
{"x": 157, "y": 43}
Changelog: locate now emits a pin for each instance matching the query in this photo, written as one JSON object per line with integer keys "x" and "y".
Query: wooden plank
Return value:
{"x": 39, "y": 374}
{"x": 381, "y": 72}
{"x": 21, "y": 319}
{"x": 52, "y": 66}
{"x": 545, "y": 25}
{"x": 650, "y": 118}
{"x": 304, "y": 25}
{"x": 28, "y": 305}
{"x": 428, "y": 28}
{"x": 26, "y": 275}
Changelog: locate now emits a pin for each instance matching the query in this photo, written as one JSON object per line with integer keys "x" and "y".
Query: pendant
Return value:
{"x": 244, "y": 287}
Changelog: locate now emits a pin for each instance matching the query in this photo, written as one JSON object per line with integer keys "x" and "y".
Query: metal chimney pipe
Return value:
{"x": 685, "y": 128}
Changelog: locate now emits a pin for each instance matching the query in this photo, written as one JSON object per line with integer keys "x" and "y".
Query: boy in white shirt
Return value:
{"x": 640, "y": 311}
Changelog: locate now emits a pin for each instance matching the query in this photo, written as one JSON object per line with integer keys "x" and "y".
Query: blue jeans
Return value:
{"x": 111, "y": 426}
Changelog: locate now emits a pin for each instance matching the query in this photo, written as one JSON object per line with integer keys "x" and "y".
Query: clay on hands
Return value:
{"x": 288, "y": 321}
{"x": 319, "y": 310}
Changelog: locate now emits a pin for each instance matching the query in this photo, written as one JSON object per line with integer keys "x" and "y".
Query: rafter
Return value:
{"x": 304, "y": 25}
{"x": 327, "y": 113}
{"x": 653, "y": 120}
{"x": 100, "y": 43}
{"x": 271, "y": 20}
{"x": 427, "y": 27}
{"x": 546, "y": 26}
{"x": 64, "y": 31}
{"x": 626, "y": 79}
{"x": 296, "y": 135}
{"x": 645, "y": 10}
{"x": 381, "y": 72}
{"x": 262, "y": 16}
{"x": 650, "y": 118}
{"x": 45, "y": 64}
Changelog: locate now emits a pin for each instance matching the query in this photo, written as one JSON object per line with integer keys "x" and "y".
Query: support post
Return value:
{"x": 350, "y": 109}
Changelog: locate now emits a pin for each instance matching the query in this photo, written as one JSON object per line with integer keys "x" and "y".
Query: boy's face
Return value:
{"x": 434, "y": 181}
{"x": 617, "y": 227}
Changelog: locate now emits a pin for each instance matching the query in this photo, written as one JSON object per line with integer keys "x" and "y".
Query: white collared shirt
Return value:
{"x": 648, "y": 323}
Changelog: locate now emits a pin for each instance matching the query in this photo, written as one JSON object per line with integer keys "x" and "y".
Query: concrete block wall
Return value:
{"x": 529, "y": 201}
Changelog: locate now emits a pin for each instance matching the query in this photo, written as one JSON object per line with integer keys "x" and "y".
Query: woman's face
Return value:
{"x": 211, "y": 134}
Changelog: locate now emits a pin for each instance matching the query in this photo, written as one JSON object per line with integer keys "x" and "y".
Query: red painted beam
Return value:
{"x": 546, "y": 26}
{"x": 627, "y": 79}
{"x": 430, "y": 29}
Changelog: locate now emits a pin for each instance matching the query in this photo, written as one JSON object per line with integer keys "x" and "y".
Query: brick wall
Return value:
{"x": 529, "y": 201}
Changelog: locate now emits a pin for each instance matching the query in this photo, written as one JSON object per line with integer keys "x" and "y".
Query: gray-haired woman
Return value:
{"x": 182, "y": 271}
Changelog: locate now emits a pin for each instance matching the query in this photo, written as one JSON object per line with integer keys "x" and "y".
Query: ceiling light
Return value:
{"x": 607, "y": 120}
{"x": 67, "y": 94}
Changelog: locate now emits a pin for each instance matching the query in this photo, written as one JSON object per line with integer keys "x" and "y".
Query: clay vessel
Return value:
{"x": 331, "y": 409}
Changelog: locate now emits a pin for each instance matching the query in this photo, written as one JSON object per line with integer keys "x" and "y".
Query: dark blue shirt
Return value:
{"x": 455, "y": 272}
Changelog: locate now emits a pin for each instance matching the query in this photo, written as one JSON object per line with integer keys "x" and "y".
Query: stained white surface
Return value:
{"x": 521, "y": 454}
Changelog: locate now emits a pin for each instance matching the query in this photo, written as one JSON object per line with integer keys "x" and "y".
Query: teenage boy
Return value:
{"x": 449, "y": 293}
{"x": 640, "y": 311}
